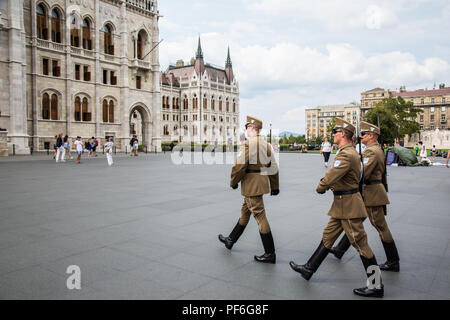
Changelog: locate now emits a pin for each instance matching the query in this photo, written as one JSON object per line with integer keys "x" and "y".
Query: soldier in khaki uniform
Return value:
{"x": 375, "y": 197}
{"x": 257, "y": 170}
{"x": 347, "y": 211}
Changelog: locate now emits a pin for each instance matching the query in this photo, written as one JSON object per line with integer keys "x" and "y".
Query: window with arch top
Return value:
{"x": 56, "y": 26}
{"x": 41, "y": 22}
{"x": 108, "y": 39}
{"x": 86, "y": 27}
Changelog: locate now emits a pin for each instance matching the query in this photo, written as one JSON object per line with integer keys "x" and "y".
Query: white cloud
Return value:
{"x": 334, "y": 14}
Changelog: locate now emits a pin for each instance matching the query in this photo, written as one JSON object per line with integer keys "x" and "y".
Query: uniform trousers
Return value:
{"x": 354, "y": 230}
{"x": 255, "y": 206}
{"x": 377, "y": 219}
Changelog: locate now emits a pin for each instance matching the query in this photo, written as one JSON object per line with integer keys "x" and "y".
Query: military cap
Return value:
{"x": 365, "y": 126}
{"x": 254, "y": 121}
{"x": 340, "y": 123}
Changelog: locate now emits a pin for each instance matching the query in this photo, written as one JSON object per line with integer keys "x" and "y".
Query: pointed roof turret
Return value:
{"x": 199, "y": 54}
{"x": 228, "y": 63}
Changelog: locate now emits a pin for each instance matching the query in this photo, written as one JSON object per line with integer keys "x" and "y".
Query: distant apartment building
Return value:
{"x": 435, "y": 104}
{"x": 318, "y": 118}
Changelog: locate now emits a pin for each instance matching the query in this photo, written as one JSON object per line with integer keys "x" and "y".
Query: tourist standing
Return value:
{"x": 135, "y": 146}
{"x": 79, "y": 148}
{"x": 54, "y": 147}
{"x": 132, "y": 145}
{"x": 416, "y": 148}
{"x": 108, "y": 149}
{"x": 325, "y": 149}
{"x": 60, "y": 152}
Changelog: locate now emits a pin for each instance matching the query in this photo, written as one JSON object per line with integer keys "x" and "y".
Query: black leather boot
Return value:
{"x": 269, "y": 249}
{"x": 233, "y": 237}
{"x": 313, "y": 263}
{"x": 341, "y": 247}
{"x": 370, "y": 291}
{"x": 393, "y": 260}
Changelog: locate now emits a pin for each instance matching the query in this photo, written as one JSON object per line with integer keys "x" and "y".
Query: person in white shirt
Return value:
{"x": 108, "y": 149}
{"x": 79, "y": 148}
{"x": 423, "y": 151}
{"x": 325, "y": 149}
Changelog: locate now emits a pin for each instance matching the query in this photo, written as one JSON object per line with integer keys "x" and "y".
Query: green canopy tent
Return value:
{"x": 405, "y": 155}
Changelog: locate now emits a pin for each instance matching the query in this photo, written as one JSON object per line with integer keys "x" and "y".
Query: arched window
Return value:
{"x": 74, "y": 33}
{"x": 178, "y": 103}
{"x": 45, "y": 106}
{"x": 185, "y": 103}
{"x": 163, "y": 102}
{"x": 141, "y": 41}
{"x": 86, "y": 116}
{"x": 228, "y": 106}
{"x": 167, "y": 102}
{"x": 111, "y": 111}
{"x": 234, "y": 106}
{"x": 175, "y": 130}
{"x": 205, "y": 103}
{"x": 174, "y": 105}
{"x": 205, "y": 129}
{"x": 195, "y": 102}
{"x": 77, "y": 114}
{"x": 54, "y": 107}
{"x": 41, "y": 22}
{"x": 213, "y": 102}
{"x": 108, "y": 40}
{"x": 105, "y": 110}
{"x": 166, "y": 130}
{"x": 87, "y": 41}
{"x": 185, "y": 130}
{"x": 56, "y": 26}
{"x": 220, "y": 103}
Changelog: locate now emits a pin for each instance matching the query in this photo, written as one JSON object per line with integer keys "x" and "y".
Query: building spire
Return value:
{"x": 199, "y": 54}
{"x": 228, "y": 63}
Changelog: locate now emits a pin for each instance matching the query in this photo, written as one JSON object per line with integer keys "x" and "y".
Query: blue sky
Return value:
{"x": 289, "y": 55}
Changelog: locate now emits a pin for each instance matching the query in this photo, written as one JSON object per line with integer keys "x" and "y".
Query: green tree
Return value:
{"x": 284, "y": 140}
{"x": 330, "y": 129}
{"x": 291, "y": 139}
{"x": 397, "y": 118}
{"x": 300, "y": 139}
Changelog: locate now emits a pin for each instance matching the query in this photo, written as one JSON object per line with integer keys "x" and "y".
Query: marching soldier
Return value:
{"x": 255, "y": 168}
{"x": 347, "y": 211}
{"x": 375, "y": 198}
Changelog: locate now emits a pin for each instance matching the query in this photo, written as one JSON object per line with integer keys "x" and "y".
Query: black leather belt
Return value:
{"x": 341, "y": 193}
{"x": 367, "y": 183}
{"x": 253, "y": 171}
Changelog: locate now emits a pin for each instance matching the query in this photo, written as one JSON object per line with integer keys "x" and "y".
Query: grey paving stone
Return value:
{"x": 146, "y": 228}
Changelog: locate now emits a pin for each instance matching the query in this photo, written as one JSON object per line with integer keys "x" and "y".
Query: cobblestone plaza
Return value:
{"x": 147, "y": 229}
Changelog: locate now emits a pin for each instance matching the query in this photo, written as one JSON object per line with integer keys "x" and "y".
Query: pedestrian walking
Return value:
{"x": 347, "y": 212}
{"x": 94, "y": 143}
{"x": 60, "y": 152}
{"x": 79, "y": 148}
{"x": 54, "y": 147}
{"x": 88, "y": 147}
{"x": 375, "y": 197}
{"x": 423, "y": 151}
{"x": 433, "y": 151}
{"x": 325, "y": 149}
{"x": 108, "y": 149}
{"x": 257, "y": 171}
{"x": 132, "y": 145}
{"x": 67, "y": 147}
{"x": 416, "y": 148}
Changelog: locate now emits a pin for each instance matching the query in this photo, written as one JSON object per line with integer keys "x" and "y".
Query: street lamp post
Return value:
{"x": 270, "y": 134}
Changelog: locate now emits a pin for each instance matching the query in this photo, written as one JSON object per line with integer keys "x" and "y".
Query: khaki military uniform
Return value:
{"x": 257, "y": 170}
{"x": 348, "y": 210}
{"x": 375, "y": 195}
